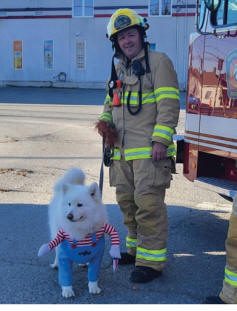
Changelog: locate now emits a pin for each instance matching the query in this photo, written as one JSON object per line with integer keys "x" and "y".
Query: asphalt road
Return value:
{"x": 38, "y": 142}
{"x": 59, "y": 96}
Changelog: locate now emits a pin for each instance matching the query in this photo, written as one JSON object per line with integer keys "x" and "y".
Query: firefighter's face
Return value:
{"x": 129, "y": 41}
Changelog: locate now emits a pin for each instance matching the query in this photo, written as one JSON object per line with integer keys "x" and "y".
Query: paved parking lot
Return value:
{"x": 38, "y": 143}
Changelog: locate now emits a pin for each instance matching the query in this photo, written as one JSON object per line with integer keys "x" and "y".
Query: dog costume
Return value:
{"x": 89, "y": 250}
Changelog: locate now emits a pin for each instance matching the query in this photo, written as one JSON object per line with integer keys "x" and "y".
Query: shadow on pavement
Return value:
{"x": 50, "y": 95}
{"x": 59, "y": 96}
{"x": 194, "y": 270}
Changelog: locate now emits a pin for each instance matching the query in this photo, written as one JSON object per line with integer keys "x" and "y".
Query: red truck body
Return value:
{"x": 209, "y": 149}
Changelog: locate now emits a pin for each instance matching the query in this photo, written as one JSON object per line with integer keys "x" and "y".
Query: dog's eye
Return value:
{"x": 69, "y": 203}
{"x": 79, "y": 204}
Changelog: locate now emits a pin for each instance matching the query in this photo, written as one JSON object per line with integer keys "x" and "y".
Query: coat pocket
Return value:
{"x": 162, "y": 173}
{"x": 114, "y": 175}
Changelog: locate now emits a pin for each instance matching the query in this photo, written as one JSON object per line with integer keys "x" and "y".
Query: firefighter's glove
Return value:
{"x": 159, "y": 151}
{"x": 44, "y": 249}
{"x": 107, "y": 131}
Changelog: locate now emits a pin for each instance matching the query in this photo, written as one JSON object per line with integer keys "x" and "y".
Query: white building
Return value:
{"x": 40, "y": 39}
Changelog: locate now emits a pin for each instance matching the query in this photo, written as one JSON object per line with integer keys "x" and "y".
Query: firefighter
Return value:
{"x": 140, "y": 115}
{"x": 228, "y": 293}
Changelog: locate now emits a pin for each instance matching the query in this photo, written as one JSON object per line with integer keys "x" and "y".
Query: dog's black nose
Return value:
{"x": 70, "y": 216}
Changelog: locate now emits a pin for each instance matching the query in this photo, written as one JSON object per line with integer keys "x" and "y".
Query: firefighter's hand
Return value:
{"x": 102, "y": 127}
{"x": 159, "y": 151}
{"x": 107, "y": 131}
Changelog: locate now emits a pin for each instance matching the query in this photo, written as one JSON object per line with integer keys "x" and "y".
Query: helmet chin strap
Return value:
{"x": 146, "y": 47}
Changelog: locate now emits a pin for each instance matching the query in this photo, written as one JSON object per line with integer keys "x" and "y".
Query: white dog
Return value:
{"x": 78, "y": 222}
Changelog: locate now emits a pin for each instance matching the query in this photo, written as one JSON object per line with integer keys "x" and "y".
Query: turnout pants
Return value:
{"x": 140, "y": 192}
{"x": 229, "y": 290}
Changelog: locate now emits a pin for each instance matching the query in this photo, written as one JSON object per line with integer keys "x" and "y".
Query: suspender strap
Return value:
{"x": 101, "y": 180}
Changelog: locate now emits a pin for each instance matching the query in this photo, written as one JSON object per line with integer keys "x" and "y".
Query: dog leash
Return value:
{"x": 107, "y": 154}
{"x": 101, "y": 182}
{"x": 101, "y": 178}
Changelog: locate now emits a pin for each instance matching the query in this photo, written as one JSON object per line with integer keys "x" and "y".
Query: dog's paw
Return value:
{"x": 67, "y": 291}
{"x": 54, "y": 265}
{"x": 115, "y": 251}
{"x": 94, "y": 288}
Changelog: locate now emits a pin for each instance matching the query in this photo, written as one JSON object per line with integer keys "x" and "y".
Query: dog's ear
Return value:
{"x": 95, "y": 191}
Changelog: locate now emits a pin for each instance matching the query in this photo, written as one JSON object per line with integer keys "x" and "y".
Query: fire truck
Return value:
{"x": 208, "y": 149}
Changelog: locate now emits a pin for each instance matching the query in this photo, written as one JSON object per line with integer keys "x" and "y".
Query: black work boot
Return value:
{"x": 126, "y": 259}
{"x": 144, "y": 274}
{"x": 213, "y": 300}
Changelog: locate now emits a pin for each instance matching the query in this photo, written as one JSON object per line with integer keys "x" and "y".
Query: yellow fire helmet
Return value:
{"x": 122, "y": 19}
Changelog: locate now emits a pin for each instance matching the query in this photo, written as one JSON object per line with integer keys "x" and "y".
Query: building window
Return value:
{"x": 17, "y": 54}
{"x": 160, "y": 7}
{"x": 48, "y": 54}
{"x": 83, "y": 8}
{"x": 80, "y": 55}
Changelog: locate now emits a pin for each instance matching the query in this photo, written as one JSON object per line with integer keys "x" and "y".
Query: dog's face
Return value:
{"x": 82, "y": 210}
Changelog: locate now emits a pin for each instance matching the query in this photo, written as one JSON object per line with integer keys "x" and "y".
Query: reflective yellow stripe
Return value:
{"x": 137, "y": 153}
{"x": 147, "y": 98}
{"x": 165, "y": 96}
{"x": 141, "y": 153}
{"x": 116, "y": 154}
{"x": 107, "y": 100}
{"x": 230, "y": 277}
{"x": 166, "y": 92}
{"x": 163, "y": 132}
{"x": 131, "y": 243}
{"x": 106, "y": 116}
{"x": 151, "y": 255}
{"x": 171, "y": 150}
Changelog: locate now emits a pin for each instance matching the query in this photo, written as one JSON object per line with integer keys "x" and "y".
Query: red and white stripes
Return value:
{"x": 88, "y": 240}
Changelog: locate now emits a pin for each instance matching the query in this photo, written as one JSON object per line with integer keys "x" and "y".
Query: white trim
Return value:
{"x": 217, "y": 126}
{"x": 214, "y": 140}
{"x": 192, "y": 122}
{"x": 213, "y": 146}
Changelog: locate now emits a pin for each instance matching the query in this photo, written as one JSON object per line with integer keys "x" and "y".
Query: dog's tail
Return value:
{"x": 73, "y": 176}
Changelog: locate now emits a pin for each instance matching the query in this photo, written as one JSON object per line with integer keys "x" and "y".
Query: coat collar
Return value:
{"x": 139, "y": 56}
